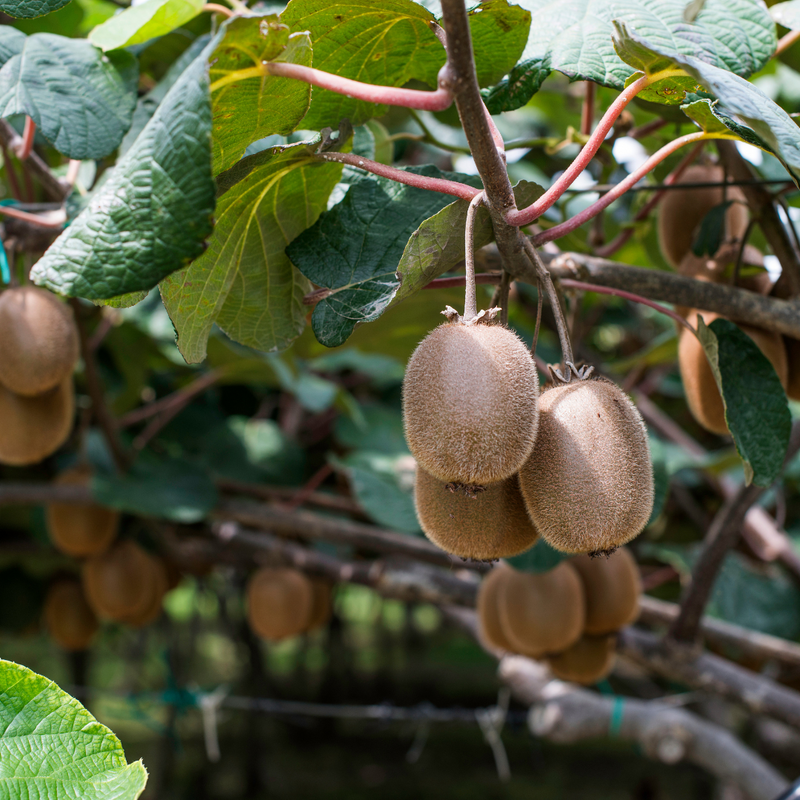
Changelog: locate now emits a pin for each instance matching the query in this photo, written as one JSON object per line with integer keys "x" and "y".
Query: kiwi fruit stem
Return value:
{"x": 470, "y": 292}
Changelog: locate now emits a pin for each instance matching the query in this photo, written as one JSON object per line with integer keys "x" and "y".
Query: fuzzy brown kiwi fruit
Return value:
{"x": 588, "y": 661}
{"x": 793, "y": 361}
{"x": 490, "y": 629}
{"x": 702, "y": 394}
{"x": 612, "y": 587}
{"x": 470, "y": 403}
{"x": 68, "y": 618}
{"x": 541, "y": 613}
{"x": 682, "y": 211}
{"x": 40, "y": 340}
{"x": 32, "y": 428}
{"x": 119, "y": 582}
{"x": 279, "y": 603}
{"x": 322, "y": 607}
{"x": 488, "y": 524}
{"x": 80, "y": 530}
{"x": 158, "y": 583}
{"x": 588, "y": 484}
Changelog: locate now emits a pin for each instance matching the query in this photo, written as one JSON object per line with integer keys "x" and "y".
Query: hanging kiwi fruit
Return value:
{"x": 490, "y": 628}
{"x": 68, "y": 617}
{"x": 682, "y": 211}
{"x": 612, "y": 587}
{"x": 587, "y": 661}
{"x": 280, "y": 603}
{"x": 702, "y": 394}
{"x": 588, "y": 485}
{"x": 33, "y": 428}
{"x": 80, "y": 529}
{"x": 322, "y": 605}
{"x": 40, "y": 341}
{"x": 491, "y": 523}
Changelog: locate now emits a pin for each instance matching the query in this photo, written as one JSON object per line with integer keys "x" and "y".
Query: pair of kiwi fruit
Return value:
{"x": 40, "y": 348}
{"x": 68, "y": 617}
{"x": 126, "y": 584}
{"x": 80, "y": 530}
{"x": 283, "y": 602}
{"x": 568, "y": 616}
{"x": 496, "y": 462}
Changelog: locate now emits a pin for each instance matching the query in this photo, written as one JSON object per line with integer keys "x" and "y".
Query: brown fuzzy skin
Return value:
{"x": 490, "y": 629}
{"x": 322, "y": 607}
{"x": 793, "y": 361}
{"x": 40, "y": 340}
{"x": 80, "y": 530}
{"x": 32, "y": 428}
{"x": 158, "y": 585}
{"x": 119, "y": 583}
{"x": 68, "y": 618}
{"x": 588, "y": 661}
{"x": 702, "y": 394}
{"x": 470, "y": 403}
{"x": 612, "y": 587}
{"x": 279, "y": 603}
{"x": 588, "y": 484}
{"x": 491, "y": 524}
{"x": 541, "y": 613}
{"x": 682, "y": 211}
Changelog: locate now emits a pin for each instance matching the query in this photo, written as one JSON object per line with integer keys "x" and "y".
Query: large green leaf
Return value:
{"x": 787, "y": 14}
{"x": 145, "y": 21}
{"x": 28, "y": 9}
{"x": 355, "y": 247}
{"x": 11, "y": 42}
{"x": 81, "y": 100}
{"x": 246, "y": 104}
{"x": 438, "y": 244}
{"x": 385, "y": 42}
{"x": 52, "y": 748}
{"x": 740, "y": 107}
{"x": 244, "y": 282}
{"x": 152, "y": 215}
{"x": 574, "y": 37}
{"x": 756, "y": 408}
{"x": 499, "y": 33}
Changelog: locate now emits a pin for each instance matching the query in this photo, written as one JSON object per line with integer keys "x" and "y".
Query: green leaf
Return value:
{"x": 81, "y": 100}
{"x": 244, "y": 282}
{"x": 574, "y": 37}
{"x": 28, "y": 9}
{"x": 354, "y": 250}
{"x": 380, "y": 430}
{"x": 11, "y": 42}
{"x": 756, "y": 409}
{"x": 438, "y": 244}
{"x": 384, "y": 42}
{"x": 540, "y": 558}
{"x": 173, "y": 489}
{"x": 152, "y": 215}
{"x": 52, "y": 747}
{"x": 712, "y": 231}
{"x": 123, "y": 300}
{"x": 499, "y": 33}
{"x": 246, "y": 104}
{"x": 742, "y": 108}
{"x": 787, "y": 14}
{"x": 143, "y": 22}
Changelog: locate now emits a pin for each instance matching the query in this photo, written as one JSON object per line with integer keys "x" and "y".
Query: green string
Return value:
{"x": 615, "y": 723}
{"x": 5, "y": 270}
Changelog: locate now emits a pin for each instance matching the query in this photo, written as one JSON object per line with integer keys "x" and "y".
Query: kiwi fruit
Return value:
{"x": 80, "y": 530}
{"x": 612, "y": 587}
{"x": 588, "y": 661}
{"x": 322, "y": 606}
{"x": 119, "y": 583}
{"x": 279, "y": 603}
{"x": 702, "y": 394}
{"x": 40, "y": 340}
{"x": 541, "y": 613}
{"x": 588, "y": 484}
{"x": 490, "y": 523}
{"x": 490, "y": 629}
{"x": 158, "y": 585}
{"x": 68, "y": 618}
{"x": 793, "y": 361}
{"x": 682, "y": 211}
{"x": 33, "y": 428}
{"x": 470, "y": 403}
{"x": 719, "y": 269}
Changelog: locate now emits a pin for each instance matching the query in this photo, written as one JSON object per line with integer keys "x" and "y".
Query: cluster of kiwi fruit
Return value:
{"x": 119, "y": 581}
{"x": 283, "y": 602}
{"x": 680, "y": 217}
{"x": 40, "y": 348}
{"x": 568, "y": 616}
{"x": 498, "y": 465}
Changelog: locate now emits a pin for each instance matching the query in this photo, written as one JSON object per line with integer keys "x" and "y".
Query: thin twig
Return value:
{"x": 470, "y": 298}
{"x": 587, "y": 109}
{"x": 785, "y": 42}
{"x": 28, "y": 133}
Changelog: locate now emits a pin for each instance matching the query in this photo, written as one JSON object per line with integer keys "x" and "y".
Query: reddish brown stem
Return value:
{"x": 217, "y": 9}
{"x": 33, "y": 219}
{"x": 28, "y": 132}
{"x": 587, "y": 111}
